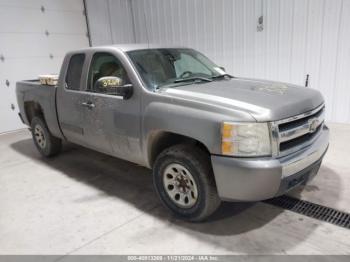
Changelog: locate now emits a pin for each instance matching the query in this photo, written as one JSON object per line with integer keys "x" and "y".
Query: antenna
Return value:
{"x": 146, "y": 25}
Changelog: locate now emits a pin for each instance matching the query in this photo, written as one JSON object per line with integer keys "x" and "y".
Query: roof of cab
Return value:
{"x": 132, "y": 47}
{"x": 126, "y": 47}
{"x": 122, "y": 48}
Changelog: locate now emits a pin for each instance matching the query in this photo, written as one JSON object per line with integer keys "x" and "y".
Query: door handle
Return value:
{"x": 89, "y": 105}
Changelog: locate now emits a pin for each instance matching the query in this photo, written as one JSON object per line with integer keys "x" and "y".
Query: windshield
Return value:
{"x": 166, "y": 67}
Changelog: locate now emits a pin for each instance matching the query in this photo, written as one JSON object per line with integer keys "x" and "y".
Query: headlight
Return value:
{"x": 245, "y": 139}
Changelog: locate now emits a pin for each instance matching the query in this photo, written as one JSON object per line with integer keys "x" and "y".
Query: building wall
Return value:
{"x": 34, "y": 37}
{"x": 299, "y": 38}
{"x": 110, "y": 21}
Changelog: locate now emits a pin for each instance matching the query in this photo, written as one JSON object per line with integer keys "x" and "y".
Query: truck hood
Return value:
{"x": 264, "y": 100}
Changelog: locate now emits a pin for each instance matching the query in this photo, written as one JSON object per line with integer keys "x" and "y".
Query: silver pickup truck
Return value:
{"x": 208, "y": 136}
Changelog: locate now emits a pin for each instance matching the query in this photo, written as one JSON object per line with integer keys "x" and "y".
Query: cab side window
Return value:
{"x": 74, "y": 71}
{"x": 102, "y": 65}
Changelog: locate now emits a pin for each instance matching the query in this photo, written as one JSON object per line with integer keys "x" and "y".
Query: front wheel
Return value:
{"x": 45, "y": 142}
{"x": 184, "y": 181}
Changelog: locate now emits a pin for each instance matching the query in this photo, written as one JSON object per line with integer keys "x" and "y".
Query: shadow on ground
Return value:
{"x": 132, "y": 183}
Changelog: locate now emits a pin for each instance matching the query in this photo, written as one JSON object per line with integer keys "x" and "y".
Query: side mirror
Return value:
{"x": 113, "y": 85}
{"x": 222, "y": 68}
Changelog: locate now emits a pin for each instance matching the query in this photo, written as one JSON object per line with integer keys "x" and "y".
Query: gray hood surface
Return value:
{"x": 264, "y": 100}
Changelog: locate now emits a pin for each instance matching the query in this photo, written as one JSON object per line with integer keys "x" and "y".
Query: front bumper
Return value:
{"x": 255, "y": 179}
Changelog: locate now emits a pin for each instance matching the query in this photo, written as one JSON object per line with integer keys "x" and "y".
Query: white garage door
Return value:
{"x": 34, "y": 37}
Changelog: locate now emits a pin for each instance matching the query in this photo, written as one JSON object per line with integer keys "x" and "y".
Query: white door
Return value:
{"x": 34, "y": 37}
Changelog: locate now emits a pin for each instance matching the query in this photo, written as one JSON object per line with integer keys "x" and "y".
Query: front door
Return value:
{"x": 112, "y": 124}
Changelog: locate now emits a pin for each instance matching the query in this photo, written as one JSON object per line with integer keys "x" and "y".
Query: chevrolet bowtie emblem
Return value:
{"x": 313, "y": 124}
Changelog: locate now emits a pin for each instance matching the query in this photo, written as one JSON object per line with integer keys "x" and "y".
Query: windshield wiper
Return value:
{"x": 184, "y": 81}
{"x": 222, "y": 76}
{"x": 193, "y": 79}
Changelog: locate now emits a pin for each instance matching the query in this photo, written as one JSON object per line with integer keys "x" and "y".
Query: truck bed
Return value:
{"x": 33, "y": 84}
{"x": 31, "y": 92}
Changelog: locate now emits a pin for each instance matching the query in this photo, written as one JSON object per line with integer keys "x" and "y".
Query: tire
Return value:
{"x": 194, "y": 165}
{"x": 45, "y": 142}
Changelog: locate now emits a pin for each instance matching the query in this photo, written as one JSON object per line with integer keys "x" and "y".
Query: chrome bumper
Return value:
{"x": 242, "y": 179}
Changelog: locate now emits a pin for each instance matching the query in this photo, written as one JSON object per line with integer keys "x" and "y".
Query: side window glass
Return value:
{"x": 74, "y": 71}
{"x": 103, "y": 65}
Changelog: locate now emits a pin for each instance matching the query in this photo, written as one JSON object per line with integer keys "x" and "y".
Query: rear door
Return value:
{"x": 70, "y": 98}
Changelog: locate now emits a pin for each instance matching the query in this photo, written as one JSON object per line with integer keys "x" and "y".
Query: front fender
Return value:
{"x": 196, "y": 123}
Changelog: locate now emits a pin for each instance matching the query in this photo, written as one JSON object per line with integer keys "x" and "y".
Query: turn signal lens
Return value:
{"x": 227, "y": 130}
{"x": 226, "y": 147}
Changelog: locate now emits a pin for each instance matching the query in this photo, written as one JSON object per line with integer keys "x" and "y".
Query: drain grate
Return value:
{"x": 309, "y": 209}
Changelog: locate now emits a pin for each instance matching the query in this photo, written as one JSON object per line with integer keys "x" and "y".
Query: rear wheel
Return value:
{"x": 184, "y": 180}
{"x": 45, "y": 142}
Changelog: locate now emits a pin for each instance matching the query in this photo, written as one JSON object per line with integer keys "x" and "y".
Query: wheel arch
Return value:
{"x": 33, "y": 109}
{"x": 160, "y": 140}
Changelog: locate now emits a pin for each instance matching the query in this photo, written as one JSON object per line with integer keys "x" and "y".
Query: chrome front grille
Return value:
{"x": 294, "y": 133}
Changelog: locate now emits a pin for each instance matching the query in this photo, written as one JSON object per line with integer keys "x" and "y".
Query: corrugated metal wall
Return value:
{"x": 300, "y": 37}
{"x": 110, "y": 21}
{"x": 34, "y": 37}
